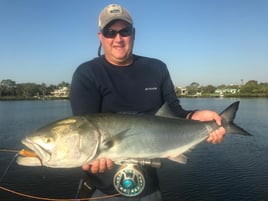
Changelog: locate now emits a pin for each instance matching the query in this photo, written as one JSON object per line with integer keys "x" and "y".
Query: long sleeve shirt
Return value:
{"x": 142, "y": 87}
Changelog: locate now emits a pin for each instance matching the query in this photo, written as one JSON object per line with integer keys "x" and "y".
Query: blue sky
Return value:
{"x": 205, "y": 41}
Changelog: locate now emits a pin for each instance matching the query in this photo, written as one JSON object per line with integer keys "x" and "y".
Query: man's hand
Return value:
{"x": 98, "y": 166}
{"x": 208, "y": 115}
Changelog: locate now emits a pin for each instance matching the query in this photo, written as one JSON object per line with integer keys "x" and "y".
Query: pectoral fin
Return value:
{"x": 179, "y": 159}
{"x": 109, "y": 142}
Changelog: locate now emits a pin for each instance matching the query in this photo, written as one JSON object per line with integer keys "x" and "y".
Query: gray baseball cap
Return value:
{"x": 113, "y": 12}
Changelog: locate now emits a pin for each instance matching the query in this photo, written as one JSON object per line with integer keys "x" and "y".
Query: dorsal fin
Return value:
{"x": 164, "y": 111}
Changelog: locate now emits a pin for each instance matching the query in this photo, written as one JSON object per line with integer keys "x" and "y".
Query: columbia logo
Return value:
{"x": 115, "y": 11}
{"x": 150, "y": 89}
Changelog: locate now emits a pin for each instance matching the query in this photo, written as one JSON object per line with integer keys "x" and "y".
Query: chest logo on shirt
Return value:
{"x": 150, "y": 88}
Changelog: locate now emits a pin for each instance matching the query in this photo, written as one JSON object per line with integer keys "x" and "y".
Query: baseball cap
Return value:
{"x": 113, "y": 12}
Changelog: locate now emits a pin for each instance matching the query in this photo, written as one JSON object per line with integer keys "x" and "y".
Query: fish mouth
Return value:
{"x": 39, "y": 157}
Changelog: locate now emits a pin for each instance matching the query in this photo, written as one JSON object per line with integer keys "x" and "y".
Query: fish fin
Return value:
{"x": 179, "y": 159}
{"x": 228, "y": 116}
{"x": 165, "y": 111}
{"x": 106, "y": 144}
{"x": 109, "y": 142}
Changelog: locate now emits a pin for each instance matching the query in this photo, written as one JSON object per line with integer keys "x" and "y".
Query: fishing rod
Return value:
{"x": 128, "y": 181}
{"x": 9, "y": 150}
{"x": 24, "y": 152}
{"x": 55, "y": 199}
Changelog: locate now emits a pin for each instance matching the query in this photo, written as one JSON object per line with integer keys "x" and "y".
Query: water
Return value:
{"x": 234, "y": 170}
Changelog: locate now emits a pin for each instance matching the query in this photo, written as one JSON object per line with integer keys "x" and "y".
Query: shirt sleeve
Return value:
{"x": 84, "y": 95}
{"x": 170, "y": 97}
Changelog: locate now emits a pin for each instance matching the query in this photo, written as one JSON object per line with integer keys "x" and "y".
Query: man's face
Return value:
{"x": 117, "y": 49}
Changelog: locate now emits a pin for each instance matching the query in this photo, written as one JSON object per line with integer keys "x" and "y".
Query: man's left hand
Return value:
{"x": 208, "y": 115}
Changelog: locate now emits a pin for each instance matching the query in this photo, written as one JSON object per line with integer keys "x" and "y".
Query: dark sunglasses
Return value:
{"x": 110, "y": 33}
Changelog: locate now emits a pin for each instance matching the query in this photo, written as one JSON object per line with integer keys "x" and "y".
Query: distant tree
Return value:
{"x": 7, "y": 87}
{"x": 29, "y": 89}
{"x": 177, "y": 91}
{"x": 250, "y": 87}
{"x": 193, "y": 88}
{"x": 209, "y": 89}
{"x": 263, "y": 88}
{"x": 221, "y": 86}
{"x": 63, "y": 84}
{"x": 43, "y": 89}
{"x": 51, "y": 88}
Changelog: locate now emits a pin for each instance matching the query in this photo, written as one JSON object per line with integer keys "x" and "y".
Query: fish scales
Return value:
{"x": 77, "y": 140}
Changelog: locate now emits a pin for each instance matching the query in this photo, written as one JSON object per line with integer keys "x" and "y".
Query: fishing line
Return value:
{"x": 7, "y": 168}
{"x": 55, "y": 199}
{"x": 10, "y": 163}
{"x": 24, "y": 152}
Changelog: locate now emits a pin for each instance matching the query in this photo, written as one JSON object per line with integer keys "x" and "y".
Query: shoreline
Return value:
{"x": 181, "y": 96}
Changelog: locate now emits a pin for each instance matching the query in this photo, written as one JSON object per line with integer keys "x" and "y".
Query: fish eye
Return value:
{"x": 48, "y": 140}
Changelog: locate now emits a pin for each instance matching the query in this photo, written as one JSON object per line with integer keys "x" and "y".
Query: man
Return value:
{"x": 120, "y": 81}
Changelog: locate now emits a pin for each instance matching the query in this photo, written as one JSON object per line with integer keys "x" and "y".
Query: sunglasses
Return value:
{"x": 110, "y": 33}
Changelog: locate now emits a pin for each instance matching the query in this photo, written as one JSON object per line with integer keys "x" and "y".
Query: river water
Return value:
{"x": 235, "y": 170}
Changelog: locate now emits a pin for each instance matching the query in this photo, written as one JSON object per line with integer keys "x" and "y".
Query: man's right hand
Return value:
{"x": 98, "y": 166}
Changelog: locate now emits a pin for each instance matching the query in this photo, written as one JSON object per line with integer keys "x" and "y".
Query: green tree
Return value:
{"x": 43, "y": 89}
{"x": 7, "y": 87}
{"x": 29, "y": 90}
{"x": 250, "y": 87}
{"x": 223, "y": 86}
{"x": 193, "y": 88}
{"x": 263, "y": 89}
{"x": 63, "y": 84}
{"x": 209, "y": 89}
{"x": 177, "y": 91}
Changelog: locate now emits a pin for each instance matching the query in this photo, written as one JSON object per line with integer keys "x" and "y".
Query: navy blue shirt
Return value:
{"x": 142, "y": 87}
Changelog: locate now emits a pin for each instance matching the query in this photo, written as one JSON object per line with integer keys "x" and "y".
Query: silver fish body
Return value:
{"x": 77, "y": 140}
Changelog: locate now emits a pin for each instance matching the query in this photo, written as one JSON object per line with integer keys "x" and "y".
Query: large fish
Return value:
{"x": 77, "y": 140}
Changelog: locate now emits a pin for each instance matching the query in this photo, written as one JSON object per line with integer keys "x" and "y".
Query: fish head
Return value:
{"x": 67, "y": 143}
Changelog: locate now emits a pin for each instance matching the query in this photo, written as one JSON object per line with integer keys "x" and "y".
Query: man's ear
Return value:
{"x": 99, "y": 35}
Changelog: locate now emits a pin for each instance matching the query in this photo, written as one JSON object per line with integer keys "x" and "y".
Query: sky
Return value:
{"x": 205, "y": 41}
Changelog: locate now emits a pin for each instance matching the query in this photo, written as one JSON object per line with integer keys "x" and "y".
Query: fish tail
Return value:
{"x": 228, "y": 116}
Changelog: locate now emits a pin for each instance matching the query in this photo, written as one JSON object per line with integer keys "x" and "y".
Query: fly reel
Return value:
{"x": 129, "y": 180}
